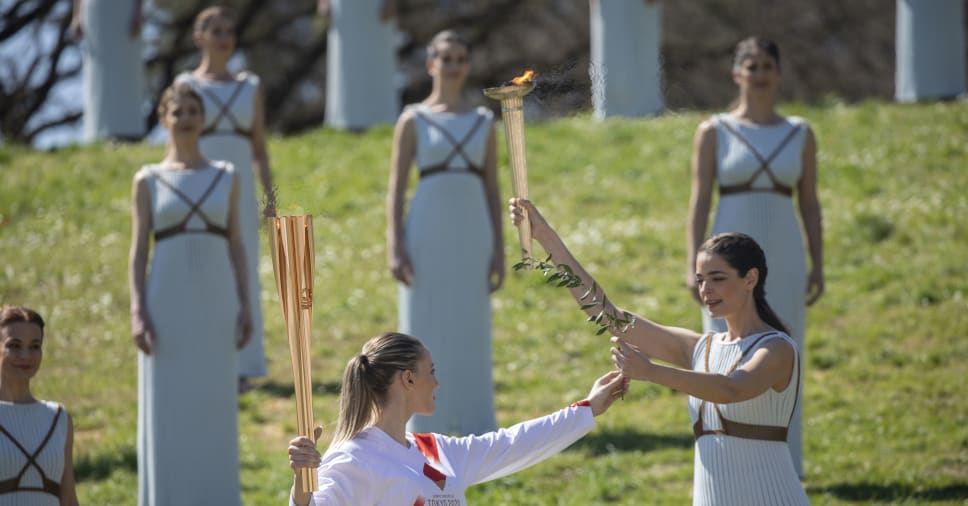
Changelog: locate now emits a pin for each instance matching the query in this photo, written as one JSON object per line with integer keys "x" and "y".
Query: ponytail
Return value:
{"x": 764, "y": 311}
{"x": 367, "y": 379}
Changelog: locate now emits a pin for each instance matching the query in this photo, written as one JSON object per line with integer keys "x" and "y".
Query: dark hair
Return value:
{"x": 176, "y": 91}
{"x": 742, "y": 253}
{"x": 210, "y": 13}
{"x": 446, "y": 36}
{"x": 367, "y": 379}
{"x": 14, "y": 314}
{"x": 746, "y": 47}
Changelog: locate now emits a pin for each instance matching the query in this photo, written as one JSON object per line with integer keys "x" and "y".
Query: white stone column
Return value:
{"x": 930, "y": 41}
{"x": 626, "y": 67}
{"x": 361, "y": 78}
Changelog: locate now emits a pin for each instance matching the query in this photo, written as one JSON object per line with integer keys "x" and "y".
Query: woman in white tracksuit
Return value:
{"x": 373, "y": 460}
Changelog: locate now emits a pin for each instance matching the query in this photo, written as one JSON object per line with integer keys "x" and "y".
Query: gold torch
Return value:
{"x": 512, "y": 111}
{"x": 291, "y": 239}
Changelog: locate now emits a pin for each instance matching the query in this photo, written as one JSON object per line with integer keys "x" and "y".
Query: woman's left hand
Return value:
{"x": 496, "y": 275}
{"x": 630, "y": 360}
{"x": 245, "y": 327}
{"x": 815, "y": 286}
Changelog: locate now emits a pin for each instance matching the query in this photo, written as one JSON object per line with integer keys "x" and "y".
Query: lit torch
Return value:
{"x": 293, "y": 256}
{"x": 512, "y": 111}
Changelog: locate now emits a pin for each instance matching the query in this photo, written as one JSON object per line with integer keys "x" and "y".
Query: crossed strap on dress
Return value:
{"x": 739, "y": 429}
{"x": 225, "y": 111}
{"x": 182, "y": 226}
{"x": 777, "y": 187}
{"x": 13, "y": 484}
{"x": 458, "y": 148}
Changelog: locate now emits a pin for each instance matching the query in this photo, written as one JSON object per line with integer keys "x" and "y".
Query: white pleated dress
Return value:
{"x": 450, "y": 240}
{"x": 734, "y": 471}
{"x": 229, "y": 113}
{"x": 26, "y": 429}
{"x": 768, "y": 217}
{"x": 112, "y": 73}
{"x": 188, "y": 449}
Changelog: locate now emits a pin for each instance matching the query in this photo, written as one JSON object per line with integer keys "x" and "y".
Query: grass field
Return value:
{"x": 886, "y": 348}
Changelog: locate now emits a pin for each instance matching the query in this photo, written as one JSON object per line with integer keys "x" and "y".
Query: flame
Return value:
{"x": 523, "y": 79}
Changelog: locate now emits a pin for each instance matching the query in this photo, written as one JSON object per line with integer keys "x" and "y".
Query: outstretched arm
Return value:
{"x": 769, "y": 367}
{"x": 670, "y": 344}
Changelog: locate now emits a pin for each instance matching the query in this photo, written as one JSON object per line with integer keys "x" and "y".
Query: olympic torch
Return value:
{"x": 291, "y": 239}
{"x": 512, "y": 111}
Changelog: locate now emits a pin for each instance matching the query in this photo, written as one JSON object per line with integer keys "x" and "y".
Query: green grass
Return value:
{"x": 886, "y": 346}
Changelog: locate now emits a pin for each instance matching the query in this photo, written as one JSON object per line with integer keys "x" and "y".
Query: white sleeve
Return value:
{"x": 495, "y": 454}
{"x": 343, "y": 481}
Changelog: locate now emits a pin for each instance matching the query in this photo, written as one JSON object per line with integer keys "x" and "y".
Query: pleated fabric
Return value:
{"x": 29, "y": 424}
{"x": 188, "y": 449}
{"x": 450, "y": 240}
{"x": 770, "y": 219}
{"x": 730, "y": 470}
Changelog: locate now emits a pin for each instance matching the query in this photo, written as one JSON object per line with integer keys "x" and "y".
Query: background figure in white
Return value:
{"x": 930, "y": 45}
{"x": 235, "y": 131}
{"x": 112, "y": 71}
{"x": 626, "y": 70}
{"x": 360, "y": 63}
{"x": 189, "y": 316}
{"x": 448, "y": 255}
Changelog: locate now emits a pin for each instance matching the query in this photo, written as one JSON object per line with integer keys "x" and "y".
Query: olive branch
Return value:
{"x": 563, "y": 276}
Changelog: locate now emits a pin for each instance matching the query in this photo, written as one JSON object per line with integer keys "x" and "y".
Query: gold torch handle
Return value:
{"x": 291, "y": 239}
{"x": 512, "y": 110}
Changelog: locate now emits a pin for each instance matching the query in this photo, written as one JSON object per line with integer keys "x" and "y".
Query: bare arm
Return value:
{"x": 404, "y": 147}
{"x": 237, "y": 256}
{"x": 68, "y": 495}
{"x": 260, "y": 153}
{"x": 670, "y": 344}
{"x": 771, "y": 366}
{"x": 810, "y": 214}
{"x": 703, "y": 177}
{"x": 493, "y": 193}
{"x": 141, "y": 328}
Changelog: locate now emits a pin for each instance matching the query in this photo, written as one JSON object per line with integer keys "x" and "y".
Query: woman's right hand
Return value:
{"x": 606, "y": 390}
{"x": 518, "y": 207}
{"x": 303, "y": 452}
{"x": 142, "y": 331}
{"x": 400, "y": 266}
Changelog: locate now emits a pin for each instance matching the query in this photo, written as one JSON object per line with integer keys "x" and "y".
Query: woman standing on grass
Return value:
{"x": 743, "y": 384}
{"x": 36, "y": 437}
{"x": 374, "y": 461}
{"x": 759, "y": 160}
{"x": 449, "y": 254}
{"x": 189, "y": 316}
{"x": 235, "y": 131}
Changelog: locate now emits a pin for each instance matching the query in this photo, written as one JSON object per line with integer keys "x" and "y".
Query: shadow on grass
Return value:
{"x": 285, "y": 390}
{"x": 892, "y": 492}
{"x": 100, "y": 466}
{"x": 627, "y": 440}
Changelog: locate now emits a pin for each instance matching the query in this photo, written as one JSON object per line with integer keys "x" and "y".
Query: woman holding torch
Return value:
{"x": 374, "y": 461}
{"x": 448, "y": 255}
{"x": 189, "y": 316}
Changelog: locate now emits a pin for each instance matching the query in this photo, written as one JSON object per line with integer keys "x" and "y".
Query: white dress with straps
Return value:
{"x": 450, "y": 240}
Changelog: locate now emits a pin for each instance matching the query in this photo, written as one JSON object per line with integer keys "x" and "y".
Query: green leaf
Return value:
{"x": 601, "y": 331}
{"x": 588, "y": 306}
